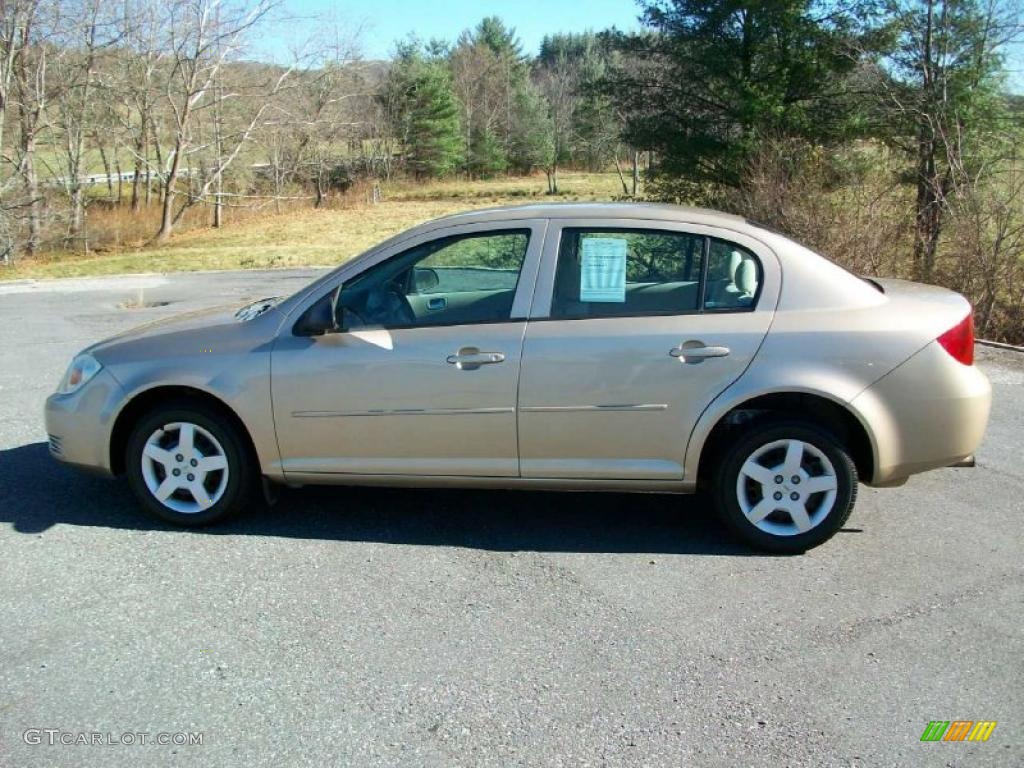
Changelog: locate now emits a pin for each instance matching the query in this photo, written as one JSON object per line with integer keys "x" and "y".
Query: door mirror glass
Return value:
{"x": 424, "y": 279}
{"x": 319, "y": 318}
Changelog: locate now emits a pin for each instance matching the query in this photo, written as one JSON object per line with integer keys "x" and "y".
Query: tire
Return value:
{"x": 759, "y": 495}
{"x": 194, "y": 457}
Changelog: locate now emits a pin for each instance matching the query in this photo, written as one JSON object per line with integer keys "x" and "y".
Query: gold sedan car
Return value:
{"x": 611, "y": 347}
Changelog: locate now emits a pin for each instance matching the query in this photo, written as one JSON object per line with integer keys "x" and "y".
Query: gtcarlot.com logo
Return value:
{"x": 958, "y": 730}
{"x": 56, "y": 737}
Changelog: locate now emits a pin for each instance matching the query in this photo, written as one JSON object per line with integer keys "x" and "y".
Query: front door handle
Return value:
{"x": 694, "y": 352}
{"x": 471, "y": 358}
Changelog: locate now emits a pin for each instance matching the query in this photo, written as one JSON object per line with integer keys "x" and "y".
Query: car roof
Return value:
{"x": 795, "y": 256}
{"x": 656, "y": 211}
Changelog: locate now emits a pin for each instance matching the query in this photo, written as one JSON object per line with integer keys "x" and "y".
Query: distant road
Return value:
{"x": 93, "y": 179}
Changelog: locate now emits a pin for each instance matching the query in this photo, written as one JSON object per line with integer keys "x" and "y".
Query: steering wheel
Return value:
{"x": 387, "y": 306}
{"x": 402, "y": 306}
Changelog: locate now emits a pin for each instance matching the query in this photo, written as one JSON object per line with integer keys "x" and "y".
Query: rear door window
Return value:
{"x": 628, "y": 272}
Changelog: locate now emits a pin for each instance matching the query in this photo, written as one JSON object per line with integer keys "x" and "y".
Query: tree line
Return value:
{"x": 881, "y": 132}
{"x": 159, "y": 98}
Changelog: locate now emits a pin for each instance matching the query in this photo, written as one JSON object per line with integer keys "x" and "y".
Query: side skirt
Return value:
{"x": 298, "y": 479}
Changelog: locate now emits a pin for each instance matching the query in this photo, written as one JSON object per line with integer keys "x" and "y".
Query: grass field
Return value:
{"x": 305, "y": 237}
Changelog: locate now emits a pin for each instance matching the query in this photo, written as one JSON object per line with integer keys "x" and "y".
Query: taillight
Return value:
{"x": 959, "y": 340}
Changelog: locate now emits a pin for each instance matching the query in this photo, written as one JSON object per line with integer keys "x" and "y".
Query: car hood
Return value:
{"x": 185, "y": 321}
{"x": 219, "y": 320}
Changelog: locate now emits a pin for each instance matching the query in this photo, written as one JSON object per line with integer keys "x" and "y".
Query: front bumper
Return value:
{"x": 929, "y": 412}
{"x": 79, "y": 425}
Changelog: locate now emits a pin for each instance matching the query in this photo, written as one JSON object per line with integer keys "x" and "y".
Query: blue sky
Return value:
{"x": 385, "y": 21}
{"x": 381, "y": 22}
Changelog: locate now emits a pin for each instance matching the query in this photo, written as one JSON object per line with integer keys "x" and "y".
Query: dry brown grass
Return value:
{"x": 261, "y": 238}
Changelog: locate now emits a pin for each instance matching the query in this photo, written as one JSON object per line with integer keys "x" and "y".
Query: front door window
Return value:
{"x": 458, "y": 280}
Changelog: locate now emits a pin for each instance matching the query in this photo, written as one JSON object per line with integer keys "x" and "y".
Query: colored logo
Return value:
{"x": 958, "y": 730}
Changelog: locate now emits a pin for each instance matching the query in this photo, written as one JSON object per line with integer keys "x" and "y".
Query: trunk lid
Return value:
{"x": 936, "y": 308}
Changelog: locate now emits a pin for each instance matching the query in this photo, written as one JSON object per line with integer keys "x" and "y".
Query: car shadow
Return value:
{"x": 37, "y": 493}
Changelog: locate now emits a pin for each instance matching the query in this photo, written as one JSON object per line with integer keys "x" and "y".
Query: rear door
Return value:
{"x": 636, "y": 327}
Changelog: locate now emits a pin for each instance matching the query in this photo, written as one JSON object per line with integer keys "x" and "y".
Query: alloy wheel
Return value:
{"x": 185, "y": 467}
{"x": 786, "y": 487}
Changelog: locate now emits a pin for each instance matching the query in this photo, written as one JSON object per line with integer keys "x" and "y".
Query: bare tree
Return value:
{"x": 336, "y": 88}
{"x": 15, "y": 18}
{"x": 478, "y": 79}
{"x": 946, "y": 67}
{"x": 203, "y": 35}
{"x": 135, "y": 74}
{"x": 30, "y": 86}
{"x": 326, "y": 108}
{"x": 84, "y": 31}
{"x": 559, "y": 82}
{"x": 985, "y": 207}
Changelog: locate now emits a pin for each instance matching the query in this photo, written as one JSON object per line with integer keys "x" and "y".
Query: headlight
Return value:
{"x": 82, "y": 368}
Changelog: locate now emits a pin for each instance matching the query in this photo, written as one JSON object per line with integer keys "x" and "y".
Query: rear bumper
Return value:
{"x": 79, "y": 425}
{"x": 929, "y": 412}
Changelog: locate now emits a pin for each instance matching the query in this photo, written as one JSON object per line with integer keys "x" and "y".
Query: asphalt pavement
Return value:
{"x": 377, "y": 627}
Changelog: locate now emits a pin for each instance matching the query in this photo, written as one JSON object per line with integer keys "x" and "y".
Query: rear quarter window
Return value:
{"x": 734, "y": 277}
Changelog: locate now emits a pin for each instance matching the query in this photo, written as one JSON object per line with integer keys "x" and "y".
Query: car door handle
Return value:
{"x": 439, "y": 302}
{"x": 471, "y": 358}
{"x": 696, "y": 352}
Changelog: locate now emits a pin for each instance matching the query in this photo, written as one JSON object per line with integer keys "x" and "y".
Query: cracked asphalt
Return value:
{"x": 376, "y": 627}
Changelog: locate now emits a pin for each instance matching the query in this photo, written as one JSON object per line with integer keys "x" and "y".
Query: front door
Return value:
{"x": 422, "y": 377}
{"x": 636, "y": 329}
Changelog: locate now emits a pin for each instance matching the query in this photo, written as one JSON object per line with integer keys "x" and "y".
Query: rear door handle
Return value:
{"x": 471, "y": 358}
{"x": 696, "y": 352}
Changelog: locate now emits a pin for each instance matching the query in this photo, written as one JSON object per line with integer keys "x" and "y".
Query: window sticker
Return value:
{"x": 603, "y": 270}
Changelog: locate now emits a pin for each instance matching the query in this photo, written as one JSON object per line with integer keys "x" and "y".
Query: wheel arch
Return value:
{"x": 146, "y": 400}
{"x": 838, "y": 417}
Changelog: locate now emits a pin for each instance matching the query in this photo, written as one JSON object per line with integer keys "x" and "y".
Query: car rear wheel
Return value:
{"x": 188, "y": 465}
{"x": 785, "y": 486}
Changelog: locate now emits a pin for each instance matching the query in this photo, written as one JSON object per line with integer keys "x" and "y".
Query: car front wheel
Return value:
{"x": 188, "y": 465}
{"x": 785, "y": 486}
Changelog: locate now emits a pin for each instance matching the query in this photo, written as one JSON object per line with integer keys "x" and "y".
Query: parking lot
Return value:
{"x": 372, "y": 627}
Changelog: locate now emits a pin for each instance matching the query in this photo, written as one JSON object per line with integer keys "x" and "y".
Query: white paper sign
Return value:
{"x": 603, "y": 270}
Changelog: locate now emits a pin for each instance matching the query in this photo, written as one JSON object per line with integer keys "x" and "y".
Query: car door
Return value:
{"x": 421, "y": 378}
{"x": 636, "y": 327}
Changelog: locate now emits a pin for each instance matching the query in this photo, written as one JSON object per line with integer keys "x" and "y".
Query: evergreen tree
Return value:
{"x": 594, "y": 126}
{"x": 424, "y": 113}
{"x": 714, "y": 79}
{"x": 532, "y": 145}
{"x": 501, "y": 40}
{"x": 487, "y": 68}
{"x": 486, "y": 156}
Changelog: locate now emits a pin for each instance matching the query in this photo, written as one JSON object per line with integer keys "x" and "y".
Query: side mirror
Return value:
{"x": 424, "y": 279}
{"x": 318, "y": 319}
